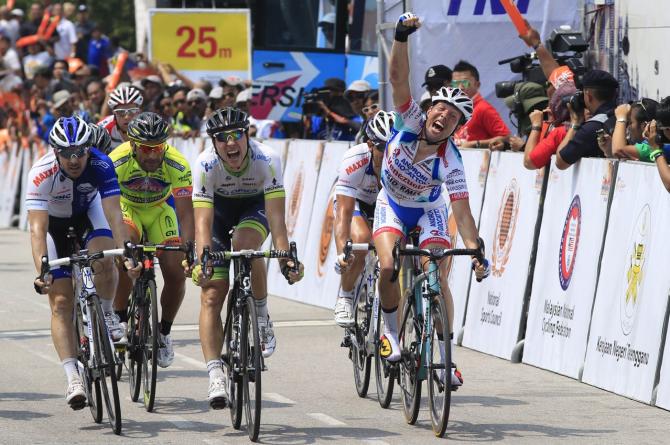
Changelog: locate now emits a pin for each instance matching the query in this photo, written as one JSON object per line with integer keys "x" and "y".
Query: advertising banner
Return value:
{"x": 564, "y": 282}
{"x": 507, "y": 225}
{"x": 300, "y": 180}
{"x": 632, "y": 295}
{"x": 202, "y": 43}
{"x": 321, "y": 282}
{"x": 11, "y": 175}
{"x": 476, "y": 164}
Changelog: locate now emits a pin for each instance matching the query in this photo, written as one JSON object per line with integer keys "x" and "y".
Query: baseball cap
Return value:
{"x": 359, "y": 86}
{"x": 60, "y": 97}
{"x": 216, "y": 93}
{"x": 82, "y": 8}
{"x": 17, "y": 12}
{"x": 233, "y": 81}
{"x": 599, "y": 79}
{"x": 153, "y": 79}
{"x": 529, "y": 93}
{"x": 244, "y": 96}
{"x": 425, "y": 97}
{"x": 437, "y": 73}
{"x": 196, "y": 94}
{"x": 334, "y": 83}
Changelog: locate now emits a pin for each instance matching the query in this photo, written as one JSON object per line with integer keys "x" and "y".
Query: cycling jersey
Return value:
{"x": 109, "y": 124}
{"x": 142, "y": 189}
{"x": 356, "y": 177}
{"x": 50, "y": 189}
{"x": 262, "y": 175}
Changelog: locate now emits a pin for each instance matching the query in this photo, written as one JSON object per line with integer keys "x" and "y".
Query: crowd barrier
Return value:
{"x": 578, "y": 281}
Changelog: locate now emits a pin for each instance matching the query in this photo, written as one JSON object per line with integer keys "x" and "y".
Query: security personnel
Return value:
{"x": 599, "y": 97}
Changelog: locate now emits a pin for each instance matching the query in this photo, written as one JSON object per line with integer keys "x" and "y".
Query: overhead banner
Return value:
{"x": 300, "y": 179}
{"x": 564, "y": 283}
{"x": 476, "y": 164}
{"x": 322, "y": 283}
{"x": 632, "y": 296}
{"x": 507, "y": 225}
{"x": 203, "y": 44}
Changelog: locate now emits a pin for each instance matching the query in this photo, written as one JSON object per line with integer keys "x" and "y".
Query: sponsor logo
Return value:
{"x": 168, "y": 221}
{"x": 65, "y": 197}
{"x": 121, "y": 161}
{"x": 99, "y": 163}
{"x": 326, "y": 234}
{"x": 567, "y": 253}
{"x": 505, "y": 228}
{"x": 182, "y": 193}
{"x": 356, "y": 165}
{"x": 636, "y": 255}
{"x": 294, "y": 201}
{"x": 209, "y": 165}
{"x": 85, "y": 187}
{"x": 37, "y": 180}
{"x": 174, "y": 164}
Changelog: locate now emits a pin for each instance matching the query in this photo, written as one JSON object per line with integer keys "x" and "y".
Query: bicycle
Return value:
{"x": 424, "y": 324}
{"x": 143, "y": 325}
{"x": 95, "y": 352}
{"x": 242, "y": 357}
{"x": 362, "y": 338}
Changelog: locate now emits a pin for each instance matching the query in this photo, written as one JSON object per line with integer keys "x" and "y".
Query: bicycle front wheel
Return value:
{"x": 384, "y": 371}
{"x": 92, "y": 385}
{"x": 135, "y": 352}
{"x": 231, "y": 359}
{"x": 439, "y": 372}
{"x": 150, "y": 333}
{"x": 105, "y": 364}
{"x": 359, "y": 356}
{"x": 410, "y": 385}
{"x": 250, "y": 346}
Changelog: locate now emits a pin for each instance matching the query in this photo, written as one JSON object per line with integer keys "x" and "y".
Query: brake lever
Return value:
{"x": 348, "y": 247}
{"x": 204, "y": 259}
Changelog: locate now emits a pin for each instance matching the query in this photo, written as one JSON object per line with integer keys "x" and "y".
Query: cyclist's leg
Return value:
{"x": 125, "y": 285}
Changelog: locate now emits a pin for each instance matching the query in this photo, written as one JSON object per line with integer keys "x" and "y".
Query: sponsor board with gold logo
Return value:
{"x": 632, "y": 296}
{"x": 566, "y": 267}
{"x": 300, "y": 179}
{"x": 476, "y": 165}
{"x": 10, "y": 169}
{"x": 507, "y": 224}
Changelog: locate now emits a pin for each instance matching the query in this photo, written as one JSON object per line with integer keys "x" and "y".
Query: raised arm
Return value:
{"x": 399, "y": 64}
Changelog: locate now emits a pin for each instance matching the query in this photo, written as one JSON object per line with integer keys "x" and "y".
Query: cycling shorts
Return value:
{"x": 240, "y": 213}
{"x": 156, "y": 225}
{"x": 392, "y": 217}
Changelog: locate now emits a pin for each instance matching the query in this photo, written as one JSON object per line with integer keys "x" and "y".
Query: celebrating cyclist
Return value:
{"x": 125, "y": 102}
{"x": 419, "y": 159}
{"x": 237, "y": 184}
{"x": 155, "y": 181}
{"x": 355, "y": 196}
{"x": 74, "y": 186}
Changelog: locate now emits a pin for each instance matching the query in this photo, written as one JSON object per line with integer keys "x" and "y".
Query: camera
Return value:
{"x": 576, "y": 101}
{"x": 661, "y": 139}
{"x": 311, "y": 99}
{"x": 505, "y": 88}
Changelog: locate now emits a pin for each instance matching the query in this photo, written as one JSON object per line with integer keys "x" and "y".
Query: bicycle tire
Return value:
{"x": 91, "y": 385}
{"x": 360, "y": 359}
{"x": 439, "y": 373}
{"x": 250, "y": 348}
{"x": 231, "y": 341}
{"x": 384, "y": 371}
{"x": 135, "y": 346}
{"x": 105, "y": 366}
{"x": 150, "y": 334}
{"x": 410, "y": 385}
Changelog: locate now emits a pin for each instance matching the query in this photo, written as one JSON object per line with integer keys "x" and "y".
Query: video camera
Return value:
{"x": 311, "y": 99}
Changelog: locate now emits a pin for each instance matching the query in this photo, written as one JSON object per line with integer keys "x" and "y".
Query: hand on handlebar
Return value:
{"x": 342, "y": 263}
{"x": 291, "y": 273}
{"x": 133, "y": 270}
{"x": 482, "y": 270}
{"x": 43, "y": 283}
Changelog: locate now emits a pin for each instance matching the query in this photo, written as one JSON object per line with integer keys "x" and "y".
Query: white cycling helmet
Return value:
{"x": 69, "y": 132}
{"x": 125, "y": 95}
{"x": 378, "y": 129}
{"x": 457, "y": 98}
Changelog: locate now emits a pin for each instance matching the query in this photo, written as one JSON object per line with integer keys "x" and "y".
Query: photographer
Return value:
{"x": 527, "y": 98}
{"x": 598, "y": 97}
{"x": 628, "y": 141}
{"x": 328, "y": 115}
{"x": 658, "y": 133}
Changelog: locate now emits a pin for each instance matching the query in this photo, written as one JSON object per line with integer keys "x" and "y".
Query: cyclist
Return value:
{"x": 237, "y": 184}
{"x": 419, "y": 159}
{"x": 74, "y": 185}
{"x": 355, "y": 196}
{"x": 125, "y": 102}
{"x": 100, "y": 139}
{"x": 155, "y": 181}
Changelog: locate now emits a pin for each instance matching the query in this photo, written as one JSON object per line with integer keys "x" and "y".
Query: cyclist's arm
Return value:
{"x": 203, "y": 218}
{"x": 275, "y": 213}
{"x": 343, "y": 216}
{"x": 465, "y": 222}
{"x": 38, "y": 221}
{"x": 184, "y": 208}
{"x": 111, "y": 205}
{"x": 399, "y": 74}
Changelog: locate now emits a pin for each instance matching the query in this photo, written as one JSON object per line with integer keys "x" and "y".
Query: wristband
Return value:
{"x": 575, "y": 126}
{"x": 621, "y": 119}
{"x": 536, "y": 128}
{"x": 478, "y": 145}
{"x": 656, "y": 154}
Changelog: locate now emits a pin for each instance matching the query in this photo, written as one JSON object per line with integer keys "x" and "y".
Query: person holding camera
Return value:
{"x": 628, "y": 139}
{"x": 328, "y": 115}
{"x": 598, "y": 96}
{"x": 658, "y": 135}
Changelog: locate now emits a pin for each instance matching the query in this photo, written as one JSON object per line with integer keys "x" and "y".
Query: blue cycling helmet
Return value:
{"x": 69, "y": 132}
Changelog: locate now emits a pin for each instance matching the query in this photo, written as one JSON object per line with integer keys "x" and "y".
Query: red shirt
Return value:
{"x": 485, "y": 123}
{"x": 540, "y": 155}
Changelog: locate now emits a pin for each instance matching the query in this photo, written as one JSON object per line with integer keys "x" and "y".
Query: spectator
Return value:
{"x": 486, "y": 126}
{"x": 204, "y": 85}
{"x": 356, "y": 94}
{"x": 216, "y": 99}
{"x": 196, "y": 100}
{"x": 628, "y": 141}
{"x": 10, "y": 69}
{"x": 11, "y": 24}
{"x": 62, "y": 104}
{"x": 232, "y": 86}
{"x": 36, "y": 58}
{"x": 527, "y": 97}
{"x": 327, "y": 25}
{"x": 67, "y": 35}
{"x": 99, "y": 50}
{"x": 84, "y": 28}
{"x": 599, "y": 95}
{"x": 335, "y": 119}
{"x": 41, "y": 82}
{"x": 437, "y": 76}
{"x": 164, "y": 107}
{"x": 61, "y": 77}
{"x": 43, "y": 119}
{"x": 371, "y": 105}
{"x": 29, "y": 27}
{"x": 179, "y": 122}
{"x": 153, "y": 87}
{"x": 658, "y": 132}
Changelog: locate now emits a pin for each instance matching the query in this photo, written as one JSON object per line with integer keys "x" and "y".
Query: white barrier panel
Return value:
{"x": 631, "y": 300}
{"x": 29, "y": 159}
{"x": 280, "y": 146}
{"x": 11, "y": 169}
{"x": 508, "y": 219}
{"x": 300, "y": 178}
{"x": 663, "y": 395}
{"x": 476, "y": 164}
{"x": 564, "y": 283}
{"x": 321, "y": 281}
{"x": 190, "y": 148}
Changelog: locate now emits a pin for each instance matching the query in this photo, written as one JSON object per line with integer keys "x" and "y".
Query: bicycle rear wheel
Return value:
{"x": 135, "y": 351}
{"x": 150, "y": 333}
{"x": 231, "y": 357}
{"x": 84, "y": 352}
{"x": 252, "y": 366}
{"x": 410, "y": 385}
{"x": 384, "y": 371}
{"x": 105, "y": 366}
{"x": 439, "y": 372}
{"x": 359, "y": 356}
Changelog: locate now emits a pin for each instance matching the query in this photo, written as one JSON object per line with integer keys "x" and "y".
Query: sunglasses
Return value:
{"x": 224, "y": 136}
{"x": 229, "y": 95}
{"x": 373, "y": 107}
{"x": 356, "y": 96}
{"x": 465, "y": 83}
{"x": 148, "y": 149}
{"x": 127, "y": 112}
{"x": 76, "y": 151}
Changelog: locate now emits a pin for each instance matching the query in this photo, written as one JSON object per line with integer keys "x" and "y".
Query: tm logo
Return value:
{"x": 496, "y": 7}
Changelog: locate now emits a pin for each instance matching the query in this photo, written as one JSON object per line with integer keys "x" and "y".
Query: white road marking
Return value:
{"x": 181, "y": 423}
{"x": 325, "y": 418}
{"x": 278, "y": 398}
{"x": 214, "y": 442}
{"x": 191, "y": 361}
{"x": 374, "y": 442}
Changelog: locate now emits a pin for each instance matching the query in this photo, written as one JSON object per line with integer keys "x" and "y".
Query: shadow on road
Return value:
{"x": 21, "y": 415}
{"x": 286, "y": 435}
{"x": 25, "y": 396}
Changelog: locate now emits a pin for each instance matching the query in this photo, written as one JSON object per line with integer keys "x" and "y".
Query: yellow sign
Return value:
{"x": 201, "y": 40}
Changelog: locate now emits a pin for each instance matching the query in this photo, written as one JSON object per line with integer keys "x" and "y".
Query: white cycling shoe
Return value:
{"x": 344, "y": 312}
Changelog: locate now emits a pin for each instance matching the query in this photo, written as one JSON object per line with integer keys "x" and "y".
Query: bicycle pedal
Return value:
{"x": 218, "y": 403}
